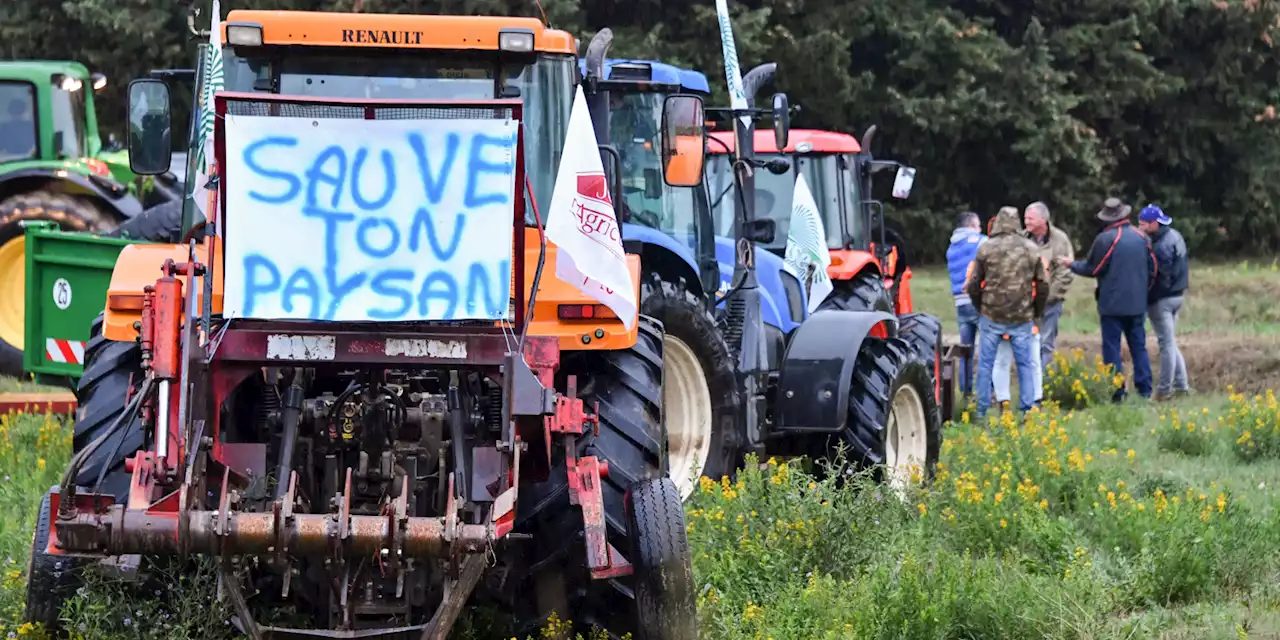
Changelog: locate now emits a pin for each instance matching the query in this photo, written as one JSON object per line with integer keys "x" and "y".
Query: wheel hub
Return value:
{"x": 13, "y": 269}
{"x": 686, "y": 402}
{"x": 906, "y": 442}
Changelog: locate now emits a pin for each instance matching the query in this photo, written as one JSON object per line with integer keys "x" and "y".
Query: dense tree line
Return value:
{"x": 995, "y": 102}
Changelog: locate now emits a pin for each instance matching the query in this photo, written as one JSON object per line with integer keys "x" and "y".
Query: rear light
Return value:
{"x": 124, "y": 302}
{"x": 97, "y": 167}
{"x": 585, "y": 312}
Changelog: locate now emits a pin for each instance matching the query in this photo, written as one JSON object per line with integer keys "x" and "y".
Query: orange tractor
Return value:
{"x": 870, "y": 263}
{"x": 358, "y": 397}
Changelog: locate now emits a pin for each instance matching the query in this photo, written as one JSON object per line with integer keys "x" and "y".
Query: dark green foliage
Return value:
{"x": 995, "y": 102}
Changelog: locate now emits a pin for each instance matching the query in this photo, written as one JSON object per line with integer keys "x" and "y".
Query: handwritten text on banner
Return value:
{"x": 383, "y": 220}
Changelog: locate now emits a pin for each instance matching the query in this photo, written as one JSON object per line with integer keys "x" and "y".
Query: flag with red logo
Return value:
{"x": 582, "y": 224}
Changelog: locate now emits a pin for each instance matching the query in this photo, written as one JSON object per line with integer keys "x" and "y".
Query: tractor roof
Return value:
{"x": 800, "y": 140}
{"x": 38, "y": 71}
{"x": 653, "y": 71}
{"x": 325, "y": 29}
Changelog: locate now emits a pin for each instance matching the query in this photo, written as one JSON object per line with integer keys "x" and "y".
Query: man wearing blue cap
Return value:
{"x": 1165, "y": 298}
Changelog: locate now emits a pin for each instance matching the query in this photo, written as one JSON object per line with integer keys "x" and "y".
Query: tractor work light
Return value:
{"x": 99, "y": 81}
{"x": 515, "y": 41}
{"x": 244, "y": 34}
{"x": 68, "y": 83}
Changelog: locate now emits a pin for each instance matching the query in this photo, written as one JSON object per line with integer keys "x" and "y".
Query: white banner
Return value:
{"x": 582, "y": 224}
{"x": 807, "y": 255}
{"x": 382, "y": 220}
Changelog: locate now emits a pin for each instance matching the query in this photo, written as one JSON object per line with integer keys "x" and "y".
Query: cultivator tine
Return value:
{"x": 456, "y": 594}
{"x": 231, "y": 586}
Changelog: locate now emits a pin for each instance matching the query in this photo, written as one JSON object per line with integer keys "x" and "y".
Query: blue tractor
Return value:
{"x": 686, "y": 268}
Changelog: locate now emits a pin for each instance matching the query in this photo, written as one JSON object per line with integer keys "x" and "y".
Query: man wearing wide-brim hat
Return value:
{"x": 1121, "y": 261}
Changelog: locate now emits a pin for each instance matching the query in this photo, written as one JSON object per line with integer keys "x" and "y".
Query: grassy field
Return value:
{"x": 1084, "y": 520}
{"x": 1110, "y": 522}
{"x": 1229, "y": 327}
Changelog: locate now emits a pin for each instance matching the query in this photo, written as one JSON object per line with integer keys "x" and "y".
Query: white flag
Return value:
{"x": 807, "y": 256}
{"x": 213, "y": 83}
{"x": 582, "y": 224}
{"x": 732, "y": 72}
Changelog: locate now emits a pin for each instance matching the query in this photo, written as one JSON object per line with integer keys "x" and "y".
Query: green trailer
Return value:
{"x": 55, "y": 168}
{"x": 67, "y": 275}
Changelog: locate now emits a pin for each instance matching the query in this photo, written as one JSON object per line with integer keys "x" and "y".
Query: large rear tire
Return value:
{"x": 699, "y": 392}
{"x": 865, "y": 292}
{"x": 893, "y": 421}
{"x": 552, "y": 572}
{"x": 71, "y": 213}
{"x": 161, "y": 223}
{"x": 110, "y": 369}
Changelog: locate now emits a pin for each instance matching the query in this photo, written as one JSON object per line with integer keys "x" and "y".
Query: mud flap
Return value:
{"x": 813, "y": 386}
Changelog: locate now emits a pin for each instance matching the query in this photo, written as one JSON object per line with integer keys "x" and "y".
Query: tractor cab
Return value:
{"x": 516, "y": 59}
{"x": 668, "y": 226}
{"x": 47, "y": 113}
{"x": 839, "y": 172}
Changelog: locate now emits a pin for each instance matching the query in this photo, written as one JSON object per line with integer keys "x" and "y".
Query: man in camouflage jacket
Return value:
{"x": 1009, "y": 288}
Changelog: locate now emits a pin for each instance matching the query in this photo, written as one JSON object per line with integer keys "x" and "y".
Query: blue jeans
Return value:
{"x": 989, "y": 335}
{"x": 1135, "y": 335}
{"x": 968, "y": 319}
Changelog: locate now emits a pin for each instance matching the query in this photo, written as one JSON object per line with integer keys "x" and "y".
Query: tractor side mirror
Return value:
{"x": 683, "y": 141}
{"x": 903, "y": 182}
{"x": 150, "y": 119}
{"x": 781, "y": 120}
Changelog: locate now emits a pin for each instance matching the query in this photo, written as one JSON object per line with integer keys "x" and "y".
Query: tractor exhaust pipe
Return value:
{"x": 597, "y": 100}
{"x": 867, "y": 137}
{"x": 756, "y": 79}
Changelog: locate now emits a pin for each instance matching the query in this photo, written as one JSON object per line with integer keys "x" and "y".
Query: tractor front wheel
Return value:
{"x": 51, "y": 579}
{"x": 550, "y": 572}
{"x": 699, "y": 390}
{"x": 71, "y": 213}
{"x": 663, "y": 579}
{"x": 893, "y": 416}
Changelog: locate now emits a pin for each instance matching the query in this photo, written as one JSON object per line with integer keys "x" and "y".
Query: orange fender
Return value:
{"x": 847, "y": 263}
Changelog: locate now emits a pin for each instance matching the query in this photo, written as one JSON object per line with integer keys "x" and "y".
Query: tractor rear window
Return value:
{"x": 17, "y": 122}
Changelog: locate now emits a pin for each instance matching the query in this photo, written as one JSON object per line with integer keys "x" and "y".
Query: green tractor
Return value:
{"x": 54, "y": 167}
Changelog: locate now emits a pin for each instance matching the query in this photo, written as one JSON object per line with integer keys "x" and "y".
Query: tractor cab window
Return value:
{"x": 546, "y": 87}
{"x": 855, "y": 221}
{"x": 17, "y": 122}
{"x": 773, "y": 197}
{"x": 775, "y": 194}
{"x": 67, "y": 102}
{"x": 646, "y": 198}
{"x": 822, "y": 172}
